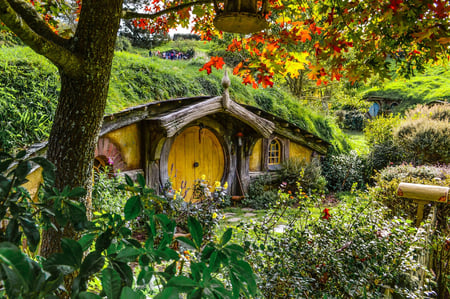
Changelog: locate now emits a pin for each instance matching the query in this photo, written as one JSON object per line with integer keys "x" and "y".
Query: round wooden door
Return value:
{"x": 195, "y": 152}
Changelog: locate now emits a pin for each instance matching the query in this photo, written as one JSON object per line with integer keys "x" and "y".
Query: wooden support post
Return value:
{"x": 420, "y": 207}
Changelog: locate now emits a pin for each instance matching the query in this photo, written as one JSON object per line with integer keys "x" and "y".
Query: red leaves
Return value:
{"x": 395, "y": 4}
{"x": 215, "y": 61}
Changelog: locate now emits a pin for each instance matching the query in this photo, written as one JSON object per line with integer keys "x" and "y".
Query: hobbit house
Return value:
{"x": 183, "y": 139}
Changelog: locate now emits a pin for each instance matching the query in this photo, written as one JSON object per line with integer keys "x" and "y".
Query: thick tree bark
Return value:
{"x": 81, "y": 105}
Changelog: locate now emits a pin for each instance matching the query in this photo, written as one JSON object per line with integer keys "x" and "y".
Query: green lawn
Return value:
{"x": 357, "y": 141}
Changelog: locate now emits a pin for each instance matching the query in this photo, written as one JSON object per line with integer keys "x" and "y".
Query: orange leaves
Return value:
{"x": 304, "y": 35}
{"x": 234, "y": 46}
{"x": 215, "y": 61}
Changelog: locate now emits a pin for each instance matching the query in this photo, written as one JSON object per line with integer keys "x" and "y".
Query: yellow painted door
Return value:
{"x": 195, "y": 152}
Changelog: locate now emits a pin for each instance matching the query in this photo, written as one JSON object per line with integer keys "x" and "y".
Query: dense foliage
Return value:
{"x": 346, "y": 171}
{"x": 424, "y": 135}
{"x": 107, "y": 247}
{"x": 347, "y": 251}
{"x": 385, "y": 191}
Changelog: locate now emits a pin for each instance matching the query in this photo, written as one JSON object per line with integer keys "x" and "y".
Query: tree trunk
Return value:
{"x": 81, "y": 105}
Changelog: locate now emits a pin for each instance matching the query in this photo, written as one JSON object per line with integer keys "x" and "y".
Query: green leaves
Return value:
{"x": 133, "y": 208}
{"x": 111, "y": 283}
{"x": 15, "y": 268}
{"x": 195, "y": 228}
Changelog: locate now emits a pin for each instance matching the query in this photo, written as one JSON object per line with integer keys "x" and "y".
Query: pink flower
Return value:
{"x": 110, "y": 161}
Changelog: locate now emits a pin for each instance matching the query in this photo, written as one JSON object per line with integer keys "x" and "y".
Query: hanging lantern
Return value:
{"x": 241, "y": 16}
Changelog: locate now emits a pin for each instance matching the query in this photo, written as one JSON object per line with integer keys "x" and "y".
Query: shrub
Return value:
{"x": 380, "y": 130}
{"x": 351, "y": 120}
{"x": 425, "y": 140}
{"x": 342, "y": 171}
{"x": 350, "y": 251}
{"x": 107, "y": 197}
{"x": 388, "y": 179}
{"x": 385, "y": 154}
{"x": 261, "y": 194}
{"x": 308, "y": 175}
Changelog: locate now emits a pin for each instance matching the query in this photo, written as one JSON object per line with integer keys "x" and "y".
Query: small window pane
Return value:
{"x": 274, "y": 152}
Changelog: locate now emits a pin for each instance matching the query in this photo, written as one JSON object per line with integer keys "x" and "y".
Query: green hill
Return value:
{"x": 432, "y": 85}
{"x": 30, "y": 86}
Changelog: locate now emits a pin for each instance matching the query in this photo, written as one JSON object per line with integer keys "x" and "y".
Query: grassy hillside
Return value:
{"x": 433, "y": 84}
{"x": 29, "y": 89}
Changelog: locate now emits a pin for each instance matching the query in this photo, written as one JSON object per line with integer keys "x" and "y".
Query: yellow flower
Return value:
{"x": 214, "y": 215}
{"x": 217, "y": 184}
{"x": 174, "y": 196}
{"x": 203, "y": 177}
{"x": 225, "y": 186}
{"x": 223, "y": 217}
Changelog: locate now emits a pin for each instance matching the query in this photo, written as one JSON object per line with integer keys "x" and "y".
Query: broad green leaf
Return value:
{"x": 111, "y": 283}
{"x": 226, "y": 236}
{"x": 182, "y": 283}
{"x": 129, "y": 293}
{"x": 92, "y": 264}
{"x": 141, "y": 180}
{"x": 72, "y": 251}
{"x": 145, "y": 276}
{"x": 77, "y": 192}
{"x": 195, "y": 228}
{"x": 186, "y": 241}
{"x": 21, "y": 154}
{"x": 4, "y": 165}
{"x": 125, "y": 272}
{"x": 129, "y": 180}
{"x": 129, "y": 254}
{"x": 133, "y": 208}
{"x": 21, "y": 171}
{"x": 86, "y": 241}
{"x": 168, "y": 293}
{"x": 31, "y": 231}
{"x": 17, "y": 268}
{"x": 13, "y": 234}
{"x": 103, "y": 241}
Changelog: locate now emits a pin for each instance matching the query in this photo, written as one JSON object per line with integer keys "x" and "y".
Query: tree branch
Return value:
{"x": 49, "y": 48}
{"x": 27, "y": 12}
{"x": 127, "y": 14}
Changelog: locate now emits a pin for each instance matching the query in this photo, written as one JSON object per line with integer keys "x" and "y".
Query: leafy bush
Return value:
{"x": 387, "y": 182}
{"x": 385, "y": 154}
{"x": 351, "y": 120}
{"x": 350, "y": 251}
{"x": 306, "y": 175}
{"x": 342, "y": 171}
{"x": 205, "y": 208}
{"x": 425, "y": 134}
{"x": 380, "y": 130}
{"x": 388, "y": 179}
{"x": 107, "y": 197}
{"x": 106, "y": 248}
{"x": 261, "y": 194}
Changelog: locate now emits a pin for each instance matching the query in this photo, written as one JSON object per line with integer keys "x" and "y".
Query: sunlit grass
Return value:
{"x": 358, "y": 142}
